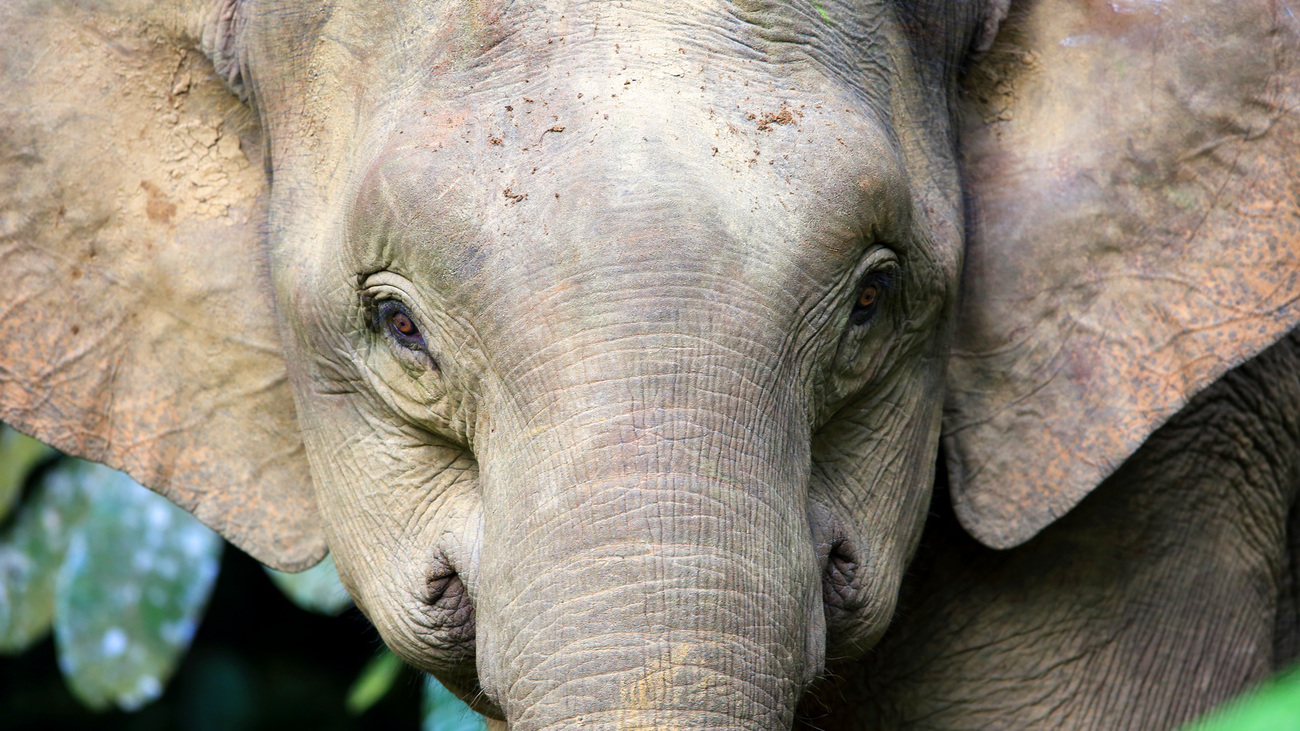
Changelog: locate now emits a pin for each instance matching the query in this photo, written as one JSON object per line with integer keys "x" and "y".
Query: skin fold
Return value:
{"x": 1178, "y": 572}
{"x": 609, "y": 347}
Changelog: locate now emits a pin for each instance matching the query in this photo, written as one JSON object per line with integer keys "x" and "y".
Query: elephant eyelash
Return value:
{"x": 875, "y": 287}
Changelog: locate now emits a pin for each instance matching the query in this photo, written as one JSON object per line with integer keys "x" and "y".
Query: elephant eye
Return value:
{"x": 403, "y": 325}
{"x": 392, "y": 317}
{"x": 873, "y": 289}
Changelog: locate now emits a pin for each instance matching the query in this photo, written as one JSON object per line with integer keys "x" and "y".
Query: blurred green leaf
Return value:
{"x": 130, "y": 592}
{"x": 18, "y": 455}
{"x": 317, "y": 589}
{"x": 374, "y": 682}
{"x": 31, "y": 551}
{"x": 443, "y": 711}
{"x": 1273, "y": 707}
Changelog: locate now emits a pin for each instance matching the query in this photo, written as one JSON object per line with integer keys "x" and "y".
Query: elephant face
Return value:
{"x": 616, "y": 338}
{"x": 606, "y": 345}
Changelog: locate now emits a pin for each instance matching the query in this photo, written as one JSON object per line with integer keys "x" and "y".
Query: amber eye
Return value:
{"x": 402, "y": 324}
{"x": 396, "y": 319}
{"x": 864, "y": 308}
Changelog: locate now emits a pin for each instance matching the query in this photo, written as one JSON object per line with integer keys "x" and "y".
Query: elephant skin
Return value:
{"x": 610, "y": 348}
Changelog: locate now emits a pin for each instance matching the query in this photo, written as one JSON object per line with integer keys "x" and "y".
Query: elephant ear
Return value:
{"x": 1133, "y": 172}
{"x": 137, "y": 324}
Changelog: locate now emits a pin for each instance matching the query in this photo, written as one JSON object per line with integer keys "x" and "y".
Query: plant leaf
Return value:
{"x": 130, "y": 592}
{"x": 31, "y": 550}
{"x": 1275, "y": 706}
{"x": 317, "y": 589}
{"x": 18, "y": 455}
{"x": 374, "y": 682}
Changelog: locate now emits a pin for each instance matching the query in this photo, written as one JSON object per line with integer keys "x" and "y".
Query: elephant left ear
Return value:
{"x": 1133, "y": 172}
{"x": 137, "y": 323}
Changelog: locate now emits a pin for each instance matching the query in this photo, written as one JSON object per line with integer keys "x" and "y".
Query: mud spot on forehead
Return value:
{"x": 157, "y": 207}
{"x": 782, "y": 117}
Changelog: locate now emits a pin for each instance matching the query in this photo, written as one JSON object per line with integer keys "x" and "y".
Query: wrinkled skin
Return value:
{"x": 592, "y": 317}
{"x": 608, "y": 346}
{"x": 1179, "y": 572}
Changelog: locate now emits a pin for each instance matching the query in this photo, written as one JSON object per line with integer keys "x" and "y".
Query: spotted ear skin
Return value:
{"x": 137, "y": 325}
{"x": 1134, "y": 188}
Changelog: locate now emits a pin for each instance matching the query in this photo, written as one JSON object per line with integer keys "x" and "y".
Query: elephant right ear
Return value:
{"x": 137, "y": 322}
{"x": 1134, "y": 188}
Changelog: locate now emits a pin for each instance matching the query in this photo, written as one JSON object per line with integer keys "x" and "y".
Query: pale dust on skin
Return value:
{"x": 665, "y": 677}
{"x": 179, "y": 160}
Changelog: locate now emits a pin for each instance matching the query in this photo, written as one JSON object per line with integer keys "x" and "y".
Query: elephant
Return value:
{"x": 733, "y": 365}
{"x": 1068, "y": 631}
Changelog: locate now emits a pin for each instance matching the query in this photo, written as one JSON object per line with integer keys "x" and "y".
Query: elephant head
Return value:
{"x": 606, "y": 347}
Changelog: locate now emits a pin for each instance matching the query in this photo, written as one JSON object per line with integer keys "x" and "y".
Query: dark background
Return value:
{"x": 257, "y": 662}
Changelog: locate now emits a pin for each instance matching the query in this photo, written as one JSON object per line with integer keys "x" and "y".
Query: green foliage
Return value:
{"x": 375, "y": 681}
{"x": 120, "y": 573}
{"x": 32, "y": 546}
{"x": 1275, "y": 706}
{"x": 131, "y": 590}
{"x": 18, "y": 454}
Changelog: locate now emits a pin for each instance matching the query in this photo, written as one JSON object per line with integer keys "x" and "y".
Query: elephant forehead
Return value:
{"x": 566, "y": 184}
{"x": 436, "y": 37}
{"x": 718, "y": 132}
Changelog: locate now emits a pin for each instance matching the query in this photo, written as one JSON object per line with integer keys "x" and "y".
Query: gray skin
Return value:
{"x": 598, "y": 455}
{"x": 608, "y": 346}
{"x": 1166, "y": 592}
{"x": 637, "y": 436}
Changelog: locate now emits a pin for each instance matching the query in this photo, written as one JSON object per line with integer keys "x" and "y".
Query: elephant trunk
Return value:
{"x": 648, "y": 564}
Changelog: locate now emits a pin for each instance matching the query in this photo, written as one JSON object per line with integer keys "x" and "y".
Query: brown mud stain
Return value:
{"x": 783, "y": 116}
{"x": 157, "y": 207}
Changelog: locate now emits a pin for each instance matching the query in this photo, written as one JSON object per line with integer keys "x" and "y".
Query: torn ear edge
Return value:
{"x": 139, "y": 325}
{"x": 1131, "y": 238}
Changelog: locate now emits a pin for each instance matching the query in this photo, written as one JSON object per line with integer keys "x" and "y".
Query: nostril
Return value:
{"x": 839, "y": 590}
{"x": 444, "y": 623}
